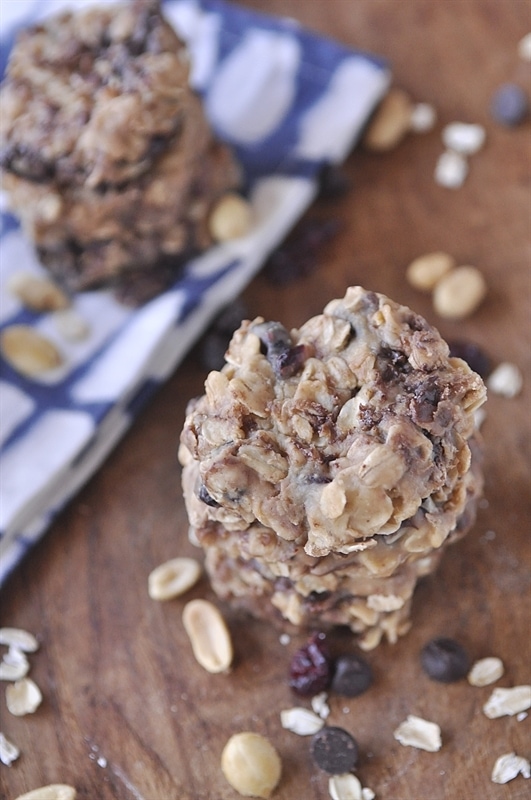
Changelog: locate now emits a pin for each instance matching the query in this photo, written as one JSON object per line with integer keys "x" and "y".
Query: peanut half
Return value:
{"x": 173, "y": 578}
{"x": 55, "y": 791}
{"x": 209, "y": 635}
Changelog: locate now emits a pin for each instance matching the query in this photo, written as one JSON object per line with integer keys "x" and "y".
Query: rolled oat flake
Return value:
{"x": 334, "y": 750}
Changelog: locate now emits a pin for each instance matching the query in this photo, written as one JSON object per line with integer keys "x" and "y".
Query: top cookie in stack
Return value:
{"x": 108, "y": 159}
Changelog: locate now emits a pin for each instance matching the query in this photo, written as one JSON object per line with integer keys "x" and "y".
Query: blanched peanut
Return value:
{"x": 459, "y": 292}
{"x": 251, "y": 764}
{"x": 173, "y": 578}
{"x": 391, "y": 121}
{"x": 27, "y": 351}
{"x": 230, "y": 218}
{"x": 426, "y": 271}
{"x": 36, "y": 292}
{"x": 209, "y": 635}
{"x": 55, "y": 791}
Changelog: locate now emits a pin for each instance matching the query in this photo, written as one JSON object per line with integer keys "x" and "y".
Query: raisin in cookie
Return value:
{"x": 106, "y": 154}
{"x": 326, "y": 469}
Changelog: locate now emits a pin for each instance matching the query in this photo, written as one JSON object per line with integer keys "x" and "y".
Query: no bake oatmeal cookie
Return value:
{"x": 106, "y": 154}
{"x": 326, "y": 469}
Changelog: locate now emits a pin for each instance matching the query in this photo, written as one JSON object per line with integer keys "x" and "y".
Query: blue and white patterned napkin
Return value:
{"x": 288, "y": 101}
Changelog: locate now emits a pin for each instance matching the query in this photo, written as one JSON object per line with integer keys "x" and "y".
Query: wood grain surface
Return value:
{"x": 127, "y": 713}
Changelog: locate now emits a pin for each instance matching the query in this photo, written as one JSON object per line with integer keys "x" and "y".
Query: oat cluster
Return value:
{"x": 326, "y": 468}
{"x": 107, "y": 156}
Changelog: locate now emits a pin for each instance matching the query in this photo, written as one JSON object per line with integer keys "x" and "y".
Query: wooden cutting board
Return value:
{"x": 127, "y": 712}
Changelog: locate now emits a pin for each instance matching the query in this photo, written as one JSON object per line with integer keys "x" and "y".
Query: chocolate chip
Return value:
{"x": 444, "y": 660}
{"x": 311, "y": 667}
{"x": 334, "y": 750}
{"x": 392, "y": 363}
{"x": 475, "y": 357}
{"x": 352, "y": 675}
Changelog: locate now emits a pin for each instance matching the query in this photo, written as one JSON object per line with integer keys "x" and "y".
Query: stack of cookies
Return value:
{"x": 107, "y": 157}
{"x": 326, "y": 469}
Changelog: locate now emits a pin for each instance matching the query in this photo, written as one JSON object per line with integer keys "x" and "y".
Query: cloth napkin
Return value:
{"x": 302, "y": 104}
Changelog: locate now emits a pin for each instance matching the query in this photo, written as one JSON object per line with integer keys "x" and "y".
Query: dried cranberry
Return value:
{"x": 475, "y": 357}
{"x": 311, "y": 667}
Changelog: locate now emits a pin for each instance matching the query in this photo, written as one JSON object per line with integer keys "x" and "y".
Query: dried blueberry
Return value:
{"x": 475, "y": 357}
{"x": 352, "y": 675}
{"x": 285, "y": 357}
{"x": 509, "y": 105}
{"x": 334, "y": 750}
{"x": 206, "y": 498}
{"x": 444, "y": 660}
{"x": 310, "y": 668}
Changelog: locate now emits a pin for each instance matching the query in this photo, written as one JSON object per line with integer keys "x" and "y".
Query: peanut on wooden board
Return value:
{"x": 427, "y": 270}
{"x": 173, "y": 578}
{"x": 54, "y": 791}
{"x": 391, "y": 121}
{"x": 251, "y": 764}
{"x": 459, "y": 293}
{"x": 209, "y": 635}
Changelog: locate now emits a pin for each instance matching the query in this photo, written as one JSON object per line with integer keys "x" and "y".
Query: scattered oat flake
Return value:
{"x": 485, "y": 671}
{"x": 21, "y": 639}
{"x": 345, "y": 787}
{"x": 284, "y": 639}
{"x": 8, "y": 751}
{"x": 420, "y": 733}
{"x": 463, "y": 137}
{"x": 506, "y": 380}
{"x": 13, "y": 671}
{"x": 451, "y": 170}
{"x": 320, "y": 705}
{"x": 301, "y": 721}
{"x": 508, "y": 702}
{"x": 23, "y": 697}
{"x": 508, "y": 767}
{"x": 367, "y": 794}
